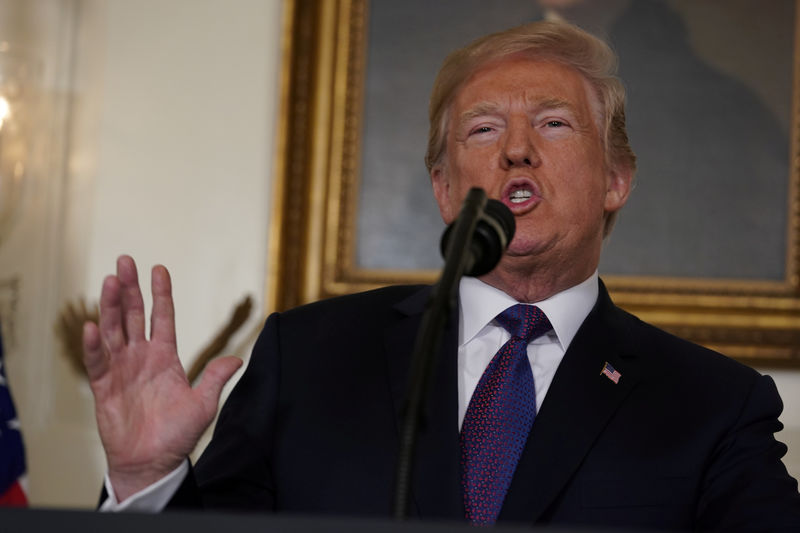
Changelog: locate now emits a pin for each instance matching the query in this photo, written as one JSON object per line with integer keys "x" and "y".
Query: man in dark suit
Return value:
{"x": 549, "y": 404}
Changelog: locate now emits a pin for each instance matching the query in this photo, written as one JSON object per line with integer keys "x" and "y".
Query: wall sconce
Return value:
{"x": 16, "y": 117}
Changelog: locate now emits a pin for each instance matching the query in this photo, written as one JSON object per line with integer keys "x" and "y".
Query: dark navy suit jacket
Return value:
{"x": 683, "y": 441}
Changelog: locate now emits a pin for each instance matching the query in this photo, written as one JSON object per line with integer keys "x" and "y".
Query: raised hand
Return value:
{"x": 148, "y": 415}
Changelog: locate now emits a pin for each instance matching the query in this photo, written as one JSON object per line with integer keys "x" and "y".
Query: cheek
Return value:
{"x": 580, "y": 193}
{"x": 586, "y": 169}
{"x": 464, "y": 173}
{"x": 449, "y": 193}
{"x": 476, "y": 171}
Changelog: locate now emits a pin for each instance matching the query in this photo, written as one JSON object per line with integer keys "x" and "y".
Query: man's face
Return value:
{"x": 526, "y": 131}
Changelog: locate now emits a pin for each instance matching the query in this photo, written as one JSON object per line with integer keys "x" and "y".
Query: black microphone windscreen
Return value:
{"x": 493, "y": 233}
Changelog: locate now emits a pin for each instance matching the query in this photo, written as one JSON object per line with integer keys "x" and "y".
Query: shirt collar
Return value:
{"x": 480, "y": 303}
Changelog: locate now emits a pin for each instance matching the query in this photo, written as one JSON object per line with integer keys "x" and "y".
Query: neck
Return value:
{"x": 530, "y": 283}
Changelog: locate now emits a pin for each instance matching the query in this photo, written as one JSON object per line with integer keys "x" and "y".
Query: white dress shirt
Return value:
{"x": 151, "y": 499}
{"x": 479, "y": 338}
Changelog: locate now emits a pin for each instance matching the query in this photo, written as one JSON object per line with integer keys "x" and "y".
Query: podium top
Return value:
{"x": 27, "y": 520}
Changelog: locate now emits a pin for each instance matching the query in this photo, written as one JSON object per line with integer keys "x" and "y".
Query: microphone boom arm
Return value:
{"x": 461, "y": 256}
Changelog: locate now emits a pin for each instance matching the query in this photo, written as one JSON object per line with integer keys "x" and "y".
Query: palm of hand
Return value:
{"x": 148, "y": 415}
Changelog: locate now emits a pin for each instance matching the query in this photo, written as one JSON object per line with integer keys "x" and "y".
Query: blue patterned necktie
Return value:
{"x": 499, "y": 416}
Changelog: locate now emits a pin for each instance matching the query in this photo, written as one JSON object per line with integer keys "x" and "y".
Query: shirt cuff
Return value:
{"x": 151, "y": 499}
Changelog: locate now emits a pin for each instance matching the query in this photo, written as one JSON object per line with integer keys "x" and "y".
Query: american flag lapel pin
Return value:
{"x": 609, "y": 372}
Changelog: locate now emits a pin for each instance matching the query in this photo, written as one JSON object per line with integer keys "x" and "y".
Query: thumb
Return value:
{"x": 215, "y": 376}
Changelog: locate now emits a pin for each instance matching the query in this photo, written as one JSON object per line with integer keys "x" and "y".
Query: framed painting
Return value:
{"x": 708, "y": 246}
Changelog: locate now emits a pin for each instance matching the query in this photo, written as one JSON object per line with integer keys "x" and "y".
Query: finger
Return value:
{"x": 162, "y": 320}
{"x": 131, "y": 297}
{"x": 94, "y": 358}
{"x": 111, "y": 315}
{"x": 215, "y": 376}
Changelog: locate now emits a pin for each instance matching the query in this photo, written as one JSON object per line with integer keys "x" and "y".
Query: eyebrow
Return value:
{"x": 489, "y": 108}
{"x": 478, "y": 110}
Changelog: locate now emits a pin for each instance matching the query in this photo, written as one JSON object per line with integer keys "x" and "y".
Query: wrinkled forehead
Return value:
{"x": 540, "y": 80}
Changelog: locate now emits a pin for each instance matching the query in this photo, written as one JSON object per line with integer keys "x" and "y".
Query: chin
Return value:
{"x": 520, "y": 248}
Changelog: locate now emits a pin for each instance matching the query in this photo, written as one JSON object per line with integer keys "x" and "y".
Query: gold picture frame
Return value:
{"x": 312, "y": 241}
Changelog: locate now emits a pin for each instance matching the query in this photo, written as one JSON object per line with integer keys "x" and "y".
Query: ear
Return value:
{"x": 441, "y": 191}
{"x": 619, "y": 183}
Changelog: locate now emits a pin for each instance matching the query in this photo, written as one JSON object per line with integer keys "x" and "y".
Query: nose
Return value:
{"x": 518, "y": 148}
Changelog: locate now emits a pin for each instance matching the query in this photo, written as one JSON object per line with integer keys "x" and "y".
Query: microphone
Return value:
{"x": 494, "y": 228}
{"x": 472, "y": 245}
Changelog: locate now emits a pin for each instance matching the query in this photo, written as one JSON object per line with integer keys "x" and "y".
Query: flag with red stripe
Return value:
{"x": 12, "y": 452}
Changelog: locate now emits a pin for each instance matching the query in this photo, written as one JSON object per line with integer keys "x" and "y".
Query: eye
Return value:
{"x": 554, "y": 124}
{"x": 481, "y": 129}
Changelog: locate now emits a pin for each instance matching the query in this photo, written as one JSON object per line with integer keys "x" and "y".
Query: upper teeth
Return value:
{"x": 520, "y": 195}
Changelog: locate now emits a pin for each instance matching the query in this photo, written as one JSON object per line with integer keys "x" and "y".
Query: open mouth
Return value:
{"x": 519, "y": 196}
{"x": 521, "y": 193}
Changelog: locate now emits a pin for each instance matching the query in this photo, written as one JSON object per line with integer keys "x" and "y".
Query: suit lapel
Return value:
{"x": 578, "y": 405}
{"x": 436, "y": 484}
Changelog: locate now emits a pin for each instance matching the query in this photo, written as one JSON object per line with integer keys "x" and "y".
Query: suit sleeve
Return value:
{"x": 235, "y": 470}
{"x": 746, "y": 484}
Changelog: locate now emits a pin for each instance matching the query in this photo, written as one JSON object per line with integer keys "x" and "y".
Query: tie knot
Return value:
{"x": 524, "y": 321}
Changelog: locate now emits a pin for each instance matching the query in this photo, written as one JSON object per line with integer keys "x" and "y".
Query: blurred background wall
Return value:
{"x": 155, "y": 140}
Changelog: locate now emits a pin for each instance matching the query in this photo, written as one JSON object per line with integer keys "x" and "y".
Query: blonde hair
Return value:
{"x": 550, "y": 41}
